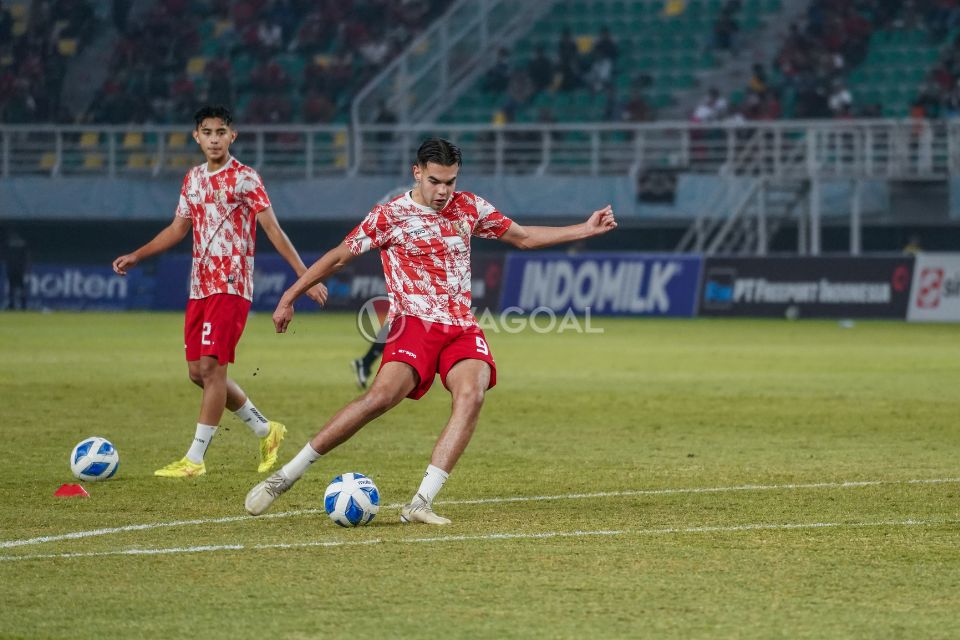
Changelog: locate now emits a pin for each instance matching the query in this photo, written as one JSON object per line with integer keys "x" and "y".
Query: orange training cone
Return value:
{"x": 71, "y": 491}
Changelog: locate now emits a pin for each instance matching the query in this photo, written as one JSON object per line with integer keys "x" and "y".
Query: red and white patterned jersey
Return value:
{"x": 426, "y": 253}
{"x": 223, "y": 207}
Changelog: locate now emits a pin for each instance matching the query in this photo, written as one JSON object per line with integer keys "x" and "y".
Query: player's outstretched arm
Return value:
{"x": 524, "y": 237}
{"x": 170, "y": 236}
{"x": 331, "y": 262}
{"x": 281, "y": 242}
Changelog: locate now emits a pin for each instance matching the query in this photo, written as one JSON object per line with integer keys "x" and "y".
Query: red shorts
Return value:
{"x": 213, "y": 326}
{"x": 432, "y": 348}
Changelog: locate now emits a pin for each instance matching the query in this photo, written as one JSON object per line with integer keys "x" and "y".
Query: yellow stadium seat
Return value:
{"x": 584, "y": 44}
{"x": 674, "y": 8}
{"x": 177, "y": 140}
{"x": 222, "y": 27}
{"x": 93, "y": 161}
{"x": 19, "y": 13}
{"x": 133, "y": 139}
{"x": 340, "y": 161}
{"x": 138, "y": 161}
{"x": 67, "y": 47}
{"x": 181, "y": 161}
{"x": 48, "y": 160}
{"x": 196, "y": 65}
{"x": 89, "y": 139}
{"x": 340, "y": 138}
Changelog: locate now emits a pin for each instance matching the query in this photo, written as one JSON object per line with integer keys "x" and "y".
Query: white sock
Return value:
{"x": 201, "y": 440}
{"x": 433, "y": 481}
{"x": 254, "y": 419}
{"x": 300, "y": 463}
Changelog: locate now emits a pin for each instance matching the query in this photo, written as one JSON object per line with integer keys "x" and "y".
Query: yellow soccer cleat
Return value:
{"x": 183, "y": 468}
{"x": 270, "y": 445}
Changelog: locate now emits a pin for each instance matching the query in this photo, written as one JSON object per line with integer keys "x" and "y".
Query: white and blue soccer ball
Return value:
{"x": 94, "y": 459}
{"x": 351, "y": 500}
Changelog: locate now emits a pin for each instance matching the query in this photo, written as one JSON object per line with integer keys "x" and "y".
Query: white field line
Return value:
{"x": 75, "y": 535}
{"x": 483, "y": 538}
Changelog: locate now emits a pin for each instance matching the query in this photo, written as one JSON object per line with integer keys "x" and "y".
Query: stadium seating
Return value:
{"x": 264, "y": 81}
{"x": 896, "y": 66}
{"x": 662, "y": 47}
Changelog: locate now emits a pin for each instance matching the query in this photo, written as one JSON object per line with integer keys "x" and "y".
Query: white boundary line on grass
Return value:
{"x": 75, "y": 535}
{"x": 481, "y": 538}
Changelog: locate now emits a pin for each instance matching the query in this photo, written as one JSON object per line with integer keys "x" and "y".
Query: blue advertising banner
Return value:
{"x": 85, "y": 287}
{"x": 807, "y": 287}
{"x": 605, "y": 283}
{"x": 348, "y": 289}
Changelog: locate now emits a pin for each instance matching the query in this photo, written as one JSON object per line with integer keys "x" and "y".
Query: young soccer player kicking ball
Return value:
{"x": 222, "y": 200}
{"x": 424, "y": 240}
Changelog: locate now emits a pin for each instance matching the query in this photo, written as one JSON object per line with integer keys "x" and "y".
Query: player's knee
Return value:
{"x": 469, "y": 395}
{"x": 207, "y": 370}
{"x": 195, "y": 377}
{"x": 379, "y": 401}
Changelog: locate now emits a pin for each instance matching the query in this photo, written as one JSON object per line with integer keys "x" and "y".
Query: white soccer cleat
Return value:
{"x": 263, "y": 494}
{"x": 420, "y": 511}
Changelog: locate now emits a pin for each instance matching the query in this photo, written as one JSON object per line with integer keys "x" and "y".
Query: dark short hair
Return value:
{"x": 212, "y": 111}
{"x": 438, "y": 151}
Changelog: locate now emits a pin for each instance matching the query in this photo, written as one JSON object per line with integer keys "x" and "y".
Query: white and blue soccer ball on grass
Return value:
{"x": 351, "y": 500}
{"x": 94, "y": 459}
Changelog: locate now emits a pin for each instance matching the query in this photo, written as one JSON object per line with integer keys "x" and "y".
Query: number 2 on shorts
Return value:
{"x": 205, "y": 336}
{"x": 482, "y": 346}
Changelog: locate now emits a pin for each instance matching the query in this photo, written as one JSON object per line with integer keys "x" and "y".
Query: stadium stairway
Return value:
{"x": 669, "y": 42}
{"x": 761, "y": 46}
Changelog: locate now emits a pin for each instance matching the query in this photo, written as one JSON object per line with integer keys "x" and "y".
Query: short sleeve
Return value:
{"x": 374, "y": 232}
{"x": 183, "y": 206}
{"x": 252, "y": 191}
{"x": 490, "y": 222}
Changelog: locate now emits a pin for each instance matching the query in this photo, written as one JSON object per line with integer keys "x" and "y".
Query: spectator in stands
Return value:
{"x": 519, "y": 91}
{"x": 929, "y": 99}
{"x": 568, "y": 61}
{"x": 269, "y": 77}
{"x": 712, "y": 108}
{"x": 952, "y": 105}
{"x": 385, "y": 116}
{"x": 21, "y": 107}
{"x": 219, "y": 81}
{"x": 637, "y": 109}
{"x": 313, "y": 34}
{"x": 269, "y": 37}
{"x": 758, "y": 80}
{"x": 726, "y": 27}
{"x": 604, "y": 57}
{"x": 317, "y": 108}
{"x": 841, "y": 100}
{"x": 6, "y": 24}
{"x": 540, "y": 69}
{"x": 183, "y": 93}
{"x": 17, "y": 257}
{"x": 119, "y": 12}
{"x": 498, "y": 76}
{"x": 914, "y": 246}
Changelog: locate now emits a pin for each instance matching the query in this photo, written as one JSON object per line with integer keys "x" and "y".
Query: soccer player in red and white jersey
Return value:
{"x": 222, "y": 200}
{"x": 424, "y": 241}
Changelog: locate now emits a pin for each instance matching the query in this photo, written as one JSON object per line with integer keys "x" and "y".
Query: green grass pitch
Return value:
{"x": 750, "y": 479}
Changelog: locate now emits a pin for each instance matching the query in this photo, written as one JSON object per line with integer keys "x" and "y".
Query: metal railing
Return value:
{"x": 443, "y": 60}
{"x": 891, "y": 149}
